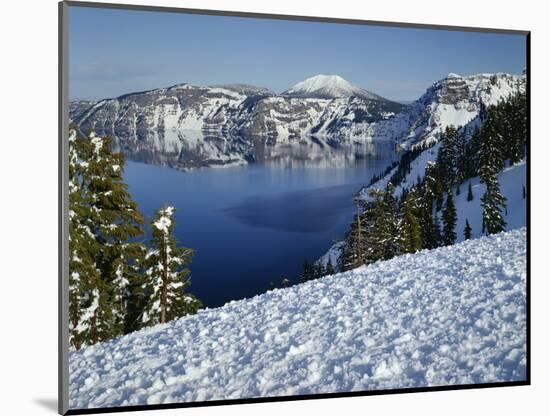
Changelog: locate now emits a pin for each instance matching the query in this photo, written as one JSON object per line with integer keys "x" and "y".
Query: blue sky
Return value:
{"x": 113, "y": 52}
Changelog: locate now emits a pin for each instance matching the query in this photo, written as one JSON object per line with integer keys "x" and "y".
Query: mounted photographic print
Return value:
{"x": 263, "y": 207}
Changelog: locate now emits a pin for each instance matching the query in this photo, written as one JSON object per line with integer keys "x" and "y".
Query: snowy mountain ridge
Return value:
{"x": 211, "y": 126}
{"x": 238, "y": 108}
{"x": 246, "y": 89}
{"x": 452, "y": 101}
{"x": 449, "y": 316}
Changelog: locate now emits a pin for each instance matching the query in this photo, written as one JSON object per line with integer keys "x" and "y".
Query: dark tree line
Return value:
{"x": 425, "y": 215}
{"x": 117, "y": 284}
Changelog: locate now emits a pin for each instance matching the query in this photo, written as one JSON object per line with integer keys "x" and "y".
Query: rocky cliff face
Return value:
{"x": 454, "y": 100}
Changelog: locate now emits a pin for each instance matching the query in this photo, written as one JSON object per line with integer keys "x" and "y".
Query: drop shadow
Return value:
{"x": 49, "y": 404}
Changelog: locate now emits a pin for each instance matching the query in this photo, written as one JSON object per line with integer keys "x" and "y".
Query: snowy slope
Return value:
{"x": 511, "y": 181}
{"x": 454, "y": 315}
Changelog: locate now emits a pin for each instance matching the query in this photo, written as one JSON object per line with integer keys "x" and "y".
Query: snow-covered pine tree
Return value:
{"x": 167, "y": 274}
{"x": 116, "y": 220}
{"x": 516, "y": 127}
{"x": 382, "y": 242}
{"x": 449, "y": 220}
{"x": 491, "y": 150}
{"x": 447, "y": 158}
{"x": 83, "y": 275}
{"x": 493, "y": 203}
{"x": 491, "y": 162}
{"x": 505, "y": 121}
{"x": 467, "y": 231}
{"x": 129, "y": 281}
{"x": 102, "y": 219}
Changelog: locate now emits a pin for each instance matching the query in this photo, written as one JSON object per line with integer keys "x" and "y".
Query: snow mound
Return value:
{"x": 453, "y": 315}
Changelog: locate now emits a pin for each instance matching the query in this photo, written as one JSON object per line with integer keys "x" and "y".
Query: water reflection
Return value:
{"x": 188, "y": 149}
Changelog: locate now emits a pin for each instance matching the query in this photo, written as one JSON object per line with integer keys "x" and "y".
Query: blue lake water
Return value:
{"x": 256, "y": 224}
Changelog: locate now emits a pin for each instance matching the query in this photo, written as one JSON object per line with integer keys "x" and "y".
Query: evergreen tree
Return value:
{"x": 108, "y": 291}
{"x": 471, "y": 167}
{"x": 449, "y": 220}
{"x": 467, "y": 231}
{"x": 516, "y": 127}
{"x": 135, "y": 299}
{"x": 493, "y": 203}
{"x": 461, "y": 159}
{"x": 470, "y": 196}
{"x": 491, "y": 162}
{"x": 83, "y": 274}
{"x": 410, "y": 234}
{"x": 429, "y": 224}
{"x": 318, "y": 270}
{"x": 308, "y": 272}
{"x": 491, "y": 154}
{"x": 435, "y": 230}
{"x": 447, "y": 158}
{"x": 167, "y": 274}
{"x": 354, "y": 253}
{"x": 90, "y": 313}
{"x": 116, "y": 221}
{"x": 383, "y": 238}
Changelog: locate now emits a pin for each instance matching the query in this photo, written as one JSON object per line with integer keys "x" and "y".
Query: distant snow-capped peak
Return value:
{"x": 328, "y": 86}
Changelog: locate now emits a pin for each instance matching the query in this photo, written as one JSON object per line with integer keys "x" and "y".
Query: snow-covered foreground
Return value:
{"x": 454, "y": 315}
